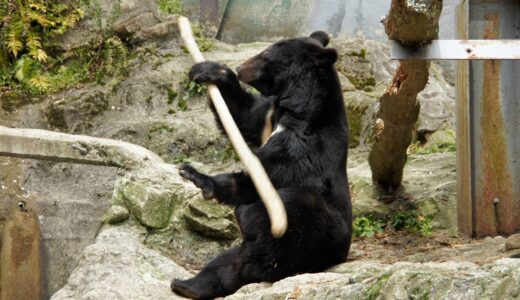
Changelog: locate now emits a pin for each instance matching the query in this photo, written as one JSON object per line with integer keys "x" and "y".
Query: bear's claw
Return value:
{"x": 200, "y": 180}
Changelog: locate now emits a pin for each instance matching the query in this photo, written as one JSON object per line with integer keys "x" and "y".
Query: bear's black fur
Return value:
{"x": 299, "y": 129}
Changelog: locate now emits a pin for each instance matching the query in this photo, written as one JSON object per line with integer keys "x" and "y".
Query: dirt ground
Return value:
{"x": 390, "y": 247}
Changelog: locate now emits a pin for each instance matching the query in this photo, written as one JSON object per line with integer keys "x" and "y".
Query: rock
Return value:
{"x": 372, "y": 280}
{"x": 73, "y": 111}
{"x": 513, "y": 242}
{"x": 119, "y": 266}
{"x": 186, "y": 228}
{"x": 365, "y": 199}
{"x": 437, "y": 102}
{"x": 71, "y": 200}
{"x": 116, "y": 214}
{"x": 429, "y": 187}
{"x": 133, "y": 21}
{"x": 150, "y": 195}
{"x": 211, "y": 219}
{"x": 368, "y": 67}
{"x": 442, "y": 139}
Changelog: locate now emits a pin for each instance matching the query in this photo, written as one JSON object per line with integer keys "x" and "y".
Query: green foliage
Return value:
{"x": 28, "y": 61}
{"x": 170, "y": 6}
{"x": 361, "y": 54}
{"x": 412, "y": 222}
{"x": 409, "y": 221}
{"x": 115, "y": 56}
{"x": 158, "y": 128}
{"x": 189, "y": 89}
{"x": 181, "y": 159}
{"x": 417, "y": 148}
{"x": 374, "y": 290}
{"x": 361, "y": 83}
{"x": 367, "y": 227}
{"x": 204, "y": 43}
{"x": 25, "y": 28}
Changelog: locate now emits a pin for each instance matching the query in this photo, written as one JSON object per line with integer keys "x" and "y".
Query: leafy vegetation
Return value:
{"x": 204, "y": 43}
{"x": 170, "y": 6}
{"x": 374, "y": 290}
{"x": 367, "y": 227}
{"x": 29, "y": 60}
{"x": 189, "y": 89}
{"x": 412, "y": 222}
{"x": 409, "y": 221}
{"x": 26, "y": 28}
{"x": 444, "y": 142}
{"x": 417, "y": 148}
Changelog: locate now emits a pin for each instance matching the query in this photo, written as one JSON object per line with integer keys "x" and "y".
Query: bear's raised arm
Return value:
{"x": 249, "y": 111}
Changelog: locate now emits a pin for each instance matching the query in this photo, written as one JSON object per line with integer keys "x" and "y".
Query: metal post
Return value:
{"x": 488, "y": 113}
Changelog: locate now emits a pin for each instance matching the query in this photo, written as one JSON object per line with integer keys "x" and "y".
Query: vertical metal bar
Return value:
{"x": 495, "y": 131}
{"x": 465, "y": 213}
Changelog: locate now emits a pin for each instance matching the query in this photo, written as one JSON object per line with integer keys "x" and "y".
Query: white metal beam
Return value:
{"x": 459, "y": 49}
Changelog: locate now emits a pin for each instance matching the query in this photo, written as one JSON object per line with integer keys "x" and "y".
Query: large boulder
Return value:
{"x": 119, "y": 266}
{"x": 373, "y": 280}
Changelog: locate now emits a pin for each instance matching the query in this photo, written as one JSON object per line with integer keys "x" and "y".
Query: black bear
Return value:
{"x": 299, "y": 129}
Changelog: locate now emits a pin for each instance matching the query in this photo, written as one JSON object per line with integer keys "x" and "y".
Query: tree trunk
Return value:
{"x": 411, "y": 23}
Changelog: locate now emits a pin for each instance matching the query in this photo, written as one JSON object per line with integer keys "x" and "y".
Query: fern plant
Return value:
{"x": 25, "y": 27}
{"x": 115, "y": 56}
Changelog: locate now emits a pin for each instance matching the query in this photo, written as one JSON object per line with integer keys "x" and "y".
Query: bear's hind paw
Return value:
{"x": 181, "y": 288}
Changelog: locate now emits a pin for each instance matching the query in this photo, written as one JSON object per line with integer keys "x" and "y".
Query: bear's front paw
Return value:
{"x": 202, "y": 181}
{"x": 210, "y": 72}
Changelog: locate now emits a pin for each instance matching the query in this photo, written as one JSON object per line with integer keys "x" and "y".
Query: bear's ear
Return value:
{"x": 320, "y": 36}
{"x": 326, "y": 56}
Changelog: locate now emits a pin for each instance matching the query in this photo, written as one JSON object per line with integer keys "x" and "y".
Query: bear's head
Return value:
{"x": 287, "y": 61}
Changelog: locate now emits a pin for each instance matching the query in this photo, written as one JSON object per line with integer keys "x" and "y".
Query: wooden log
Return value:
{"x": 411, "y": 23}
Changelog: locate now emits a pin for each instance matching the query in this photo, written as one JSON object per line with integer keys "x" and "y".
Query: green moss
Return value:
{"x": 417, "y": 148}
{"x": 355, "y": 119}
{"x": 362, "y": 53}
{"x": 149, "y": 100}
{"x": 11, "y": 100}
{"x": 361, "y": 83}
{"x": 204, "y": 43}
{"x": 159, "y": 127}
{"x": 374, "y": 290}
{"x": 210, "y": 219}
{"x": 148, "y": 204}
{"x": 171, "y": 111}
{"x": 181, "y": 159}
{"x": 170, "y": 6}
{"x": 172, "y": 94}
{"x": 182, "y": 104}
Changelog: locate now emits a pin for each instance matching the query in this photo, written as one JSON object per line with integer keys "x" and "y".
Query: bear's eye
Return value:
{"x": 264, "y": 55}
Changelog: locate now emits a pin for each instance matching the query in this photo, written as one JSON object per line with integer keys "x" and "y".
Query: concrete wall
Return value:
{"x": 250, "y": 20}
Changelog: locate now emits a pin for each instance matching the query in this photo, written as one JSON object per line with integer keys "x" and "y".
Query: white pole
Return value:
{"x": 272, "y": 201}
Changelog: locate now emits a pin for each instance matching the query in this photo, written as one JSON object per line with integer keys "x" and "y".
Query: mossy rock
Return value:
{"x": 365, "y": 199}
{"x": 9, "y": 101}
{"x": 116, "y": 214}
{"x": 76, "y": 113}
{"x": 150, "y": 204}
{"x": 211, "y": 219}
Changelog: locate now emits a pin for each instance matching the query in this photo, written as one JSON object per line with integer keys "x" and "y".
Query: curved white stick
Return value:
{"x": 272, "y": 201}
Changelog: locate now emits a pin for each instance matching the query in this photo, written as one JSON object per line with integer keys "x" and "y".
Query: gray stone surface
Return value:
{"x": 48, "y": 145}
{"x": 119, "y": 266}
{"x": 513, "y": 242}
{"x": 372, "y": 280}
